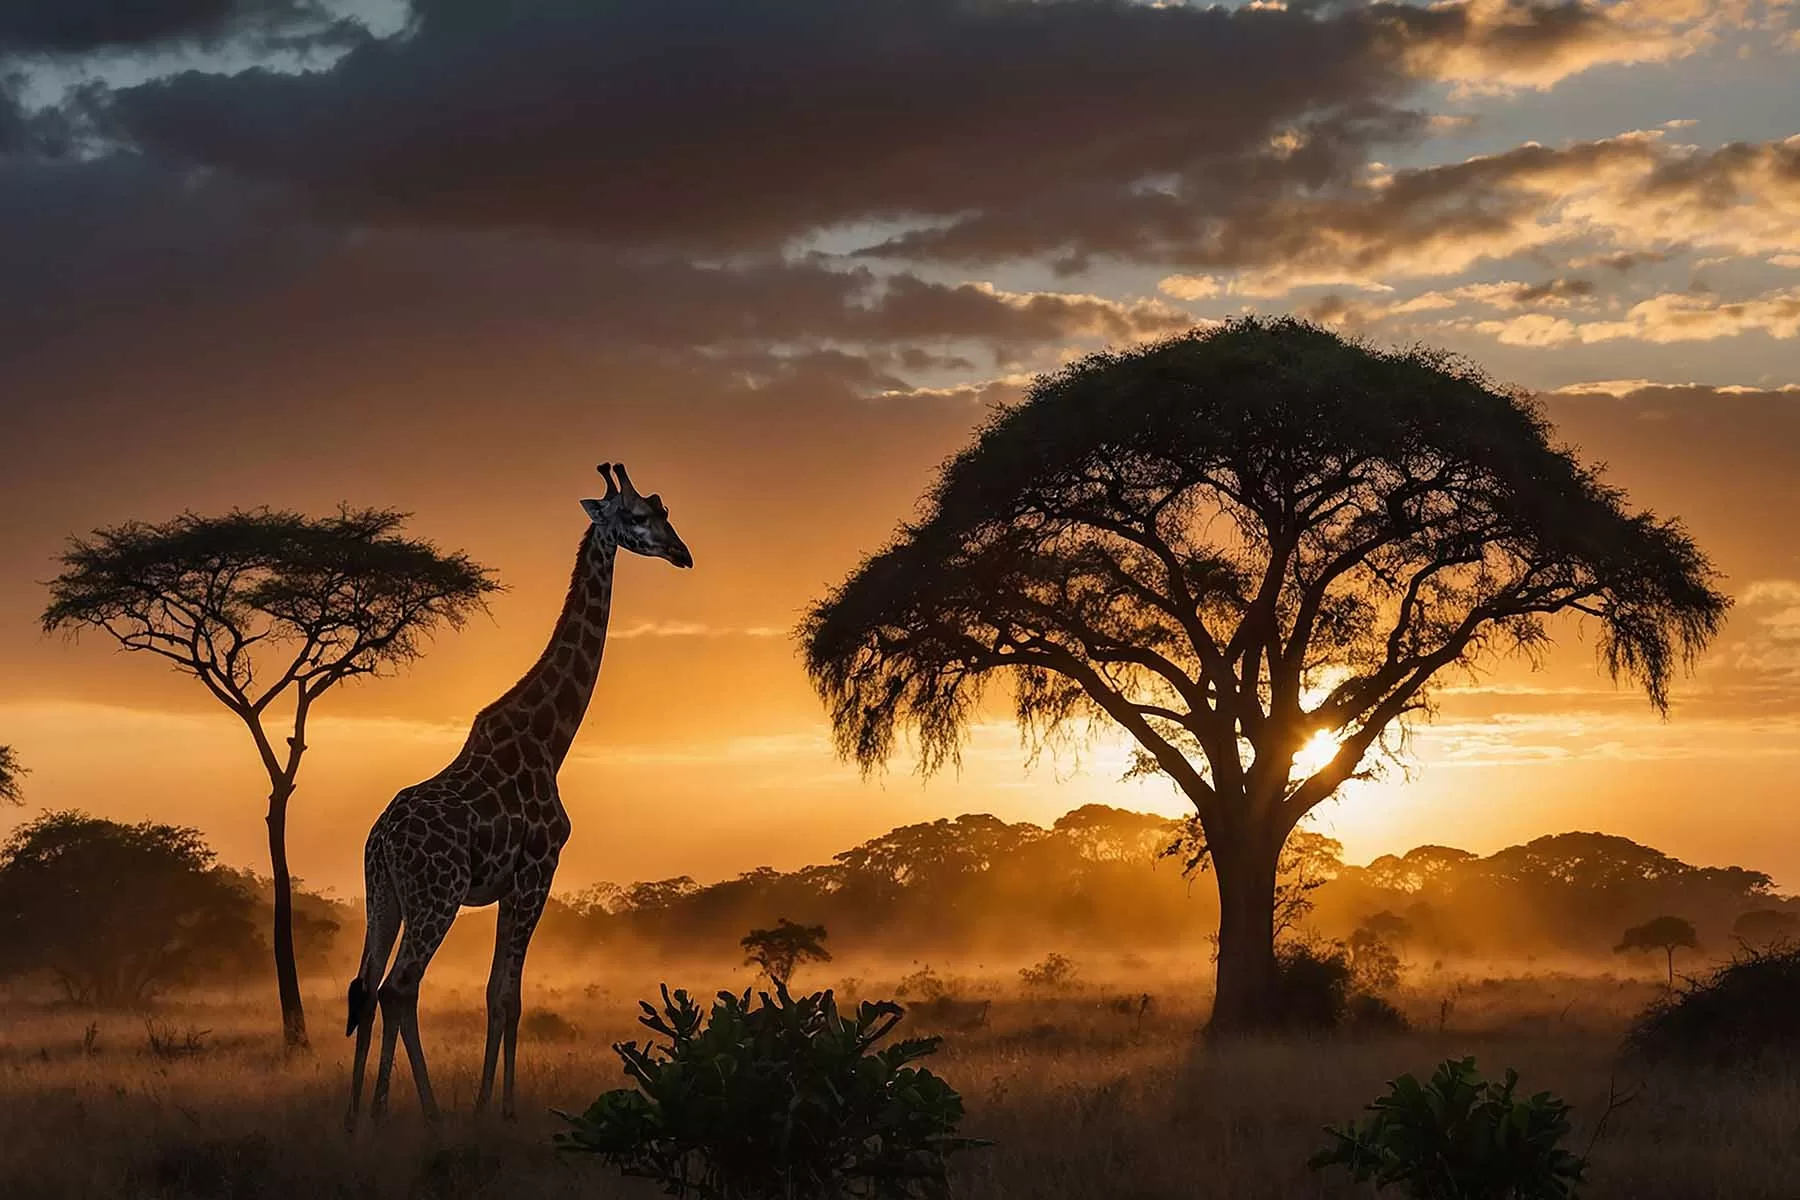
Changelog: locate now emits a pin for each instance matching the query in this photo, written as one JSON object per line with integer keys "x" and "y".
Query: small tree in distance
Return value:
{"x": 1667, "y": 934}
{"x": 11, "y": 791}
{"x": 1255, "y": 549}
{"x": 1765, "y": 927}
{"x": 779, "y": 950}
{"x": 268, "y": 610}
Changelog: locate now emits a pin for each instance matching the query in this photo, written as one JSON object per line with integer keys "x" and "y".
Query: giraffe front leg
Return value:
{"x": 498, "y": 976}
{"x": 530, "y": 895}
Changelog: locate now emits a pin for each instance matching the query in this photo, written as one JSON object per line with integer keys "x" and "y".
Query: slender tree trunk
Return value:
{"x": 287, "y": 974}
{"x": 1670, "y": 951}
{"x": 1244, "y": 1002}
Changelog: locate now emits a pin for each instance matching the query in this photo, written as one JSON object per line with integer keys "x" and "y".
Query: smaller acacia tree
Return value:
{"x": 779, "y": 950}
{"x": 116, "y": 912}
{"x": 10, "y": 771}
{"x": 269, "y": 610}
{"x": 1667, "y": 934}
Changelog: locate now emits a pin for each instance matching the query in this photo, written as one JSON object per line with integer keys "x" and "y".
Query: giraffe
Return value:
{"x": 490, "y": 827}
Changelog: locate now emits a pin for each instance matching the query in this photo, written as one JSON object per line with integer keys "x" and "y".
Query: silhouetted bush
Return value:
{"x": 786, "y": 1099}
{"x": 1742, "y": 1012}
{"x": 1368, "y": 1015}
{"x": 548, "y": 1025}
{"x": 1317, "y": 991}
{"x": 947, "y": 1012}
{"x": 1312, "y": 986}
{"x": 1459, "y": 1137}
{"x": 922, "y": 984}
{"x": 1054, "y": 973}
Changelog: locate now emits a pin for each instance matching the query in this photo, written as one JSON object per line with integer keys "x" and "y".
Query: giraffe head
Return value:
{"x": 637, "y": 523}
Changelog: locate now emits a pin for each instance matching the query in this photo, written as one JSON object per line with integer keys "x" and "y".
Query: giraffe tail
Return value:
{"x": 359, "y": 993}
{"x": 381, "y": 928}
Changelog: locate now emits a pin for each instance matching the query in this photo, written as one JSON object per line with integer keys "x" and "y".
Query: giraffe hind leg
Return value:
{"x": 399, "y": 998}
{"x": 378, "y": 943}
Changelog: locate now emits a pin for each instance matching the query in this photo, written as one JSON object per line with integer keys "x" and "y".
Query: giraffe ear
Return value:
{"x": 596, "y": 510}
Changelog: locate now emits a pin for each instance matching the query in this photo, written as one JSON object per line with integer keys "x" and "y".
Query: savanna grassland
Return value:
{"x": 1082, "y": 1094}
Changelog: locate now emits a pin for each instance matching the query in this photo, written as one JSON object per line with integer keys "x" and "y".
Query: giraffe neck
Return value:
{"x": 544, "y": 709}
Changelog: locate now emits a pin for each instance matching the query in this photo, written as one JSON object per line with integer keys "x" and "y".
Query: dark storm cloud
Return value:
{"x": 125, "y": 254}
{"x": 722, "y": 124}
{"x": 14, "y": 129}
{"x": 79, "y": 26}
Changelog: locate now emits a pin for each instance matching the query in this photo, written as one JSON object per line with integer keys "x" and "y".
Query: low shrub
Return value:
{"x": 1053, "y": 974}
{"x": 787, "y": 1098}
{"x": 1372, "y": 1016}
{"x": 1739, "y": 1014}
{"x": 1312, "y": 987}
{"x": 548, "y": 1025}
{"x": 1460, "y": 1137}
{"x": 165, "y": 1042}
{"x": 924, "y": 984}
{"x": 1317, "y": 991}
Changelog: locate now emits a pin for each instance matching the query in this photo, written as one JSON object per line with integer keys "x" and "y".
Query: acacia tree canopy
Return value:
{"x": 1232, "y": 542}
{"x": 257, "y": 602}
{"x": 266, "y": 607}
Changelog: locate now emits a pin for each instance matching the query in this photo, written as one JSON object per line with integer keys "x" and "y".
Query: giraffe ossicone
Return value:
{"x": 490, "y": 827}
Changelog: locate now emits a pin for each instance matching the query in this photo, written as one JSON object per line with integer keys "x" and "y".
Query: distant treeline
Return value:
{"x": 110, "y": 913}
{"x": 1099, "y": 879}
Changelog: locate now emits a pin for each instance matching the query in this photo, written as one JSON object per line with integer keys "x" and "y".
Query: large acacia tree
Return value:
{"x": 269, "y": 610}
{"x": 1233, "y": 544}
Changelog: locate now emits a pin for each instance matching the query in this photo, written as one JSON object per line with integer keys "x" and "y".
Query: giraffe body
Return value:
{"x": 490, "y": 827}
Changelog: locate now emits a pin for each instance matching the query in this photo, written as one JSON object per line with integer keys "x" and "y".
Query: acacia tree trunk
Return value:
{"x": 1245, "y": 993}
{"x": 287, "y": 974}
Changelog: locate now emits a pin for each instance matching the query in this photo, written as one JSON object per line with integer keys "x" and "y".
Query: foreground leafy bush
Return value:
{"x": 1460, "y": 1137}
{"x": 788, "y": 1099}
{"x": 1746, "y": 1011}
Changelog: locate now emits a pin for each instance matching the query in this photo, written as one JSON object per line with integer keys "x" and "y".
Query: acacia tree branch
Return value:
{"x": 1037, "y": 651}
{"x": 1182, "y": 604}
{"x": 1170, "y": 759}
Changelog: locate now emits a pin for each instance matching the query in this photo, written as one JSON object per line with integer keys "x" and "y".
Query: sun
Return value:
{"x": 1319, "y": 750}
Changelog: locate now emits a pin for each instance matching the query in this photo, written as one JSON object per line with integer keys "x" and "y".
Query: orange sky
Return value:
{"x": 705, "y": 752}
{"x": 450, "y": 271}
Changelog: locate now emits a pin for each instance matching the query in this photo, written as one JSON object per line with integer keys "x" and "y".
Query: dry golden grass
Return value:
{"x": 1082, "y": 1101}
